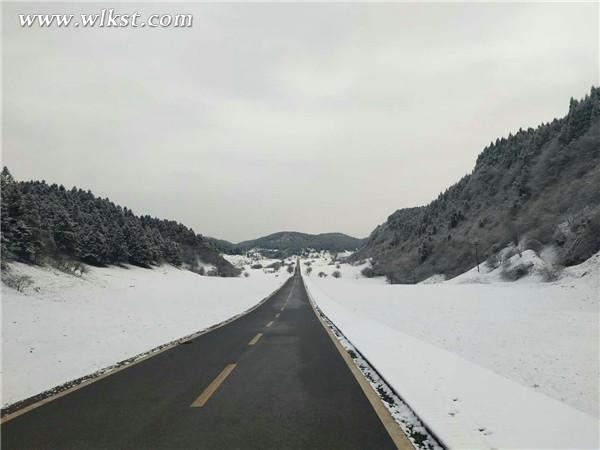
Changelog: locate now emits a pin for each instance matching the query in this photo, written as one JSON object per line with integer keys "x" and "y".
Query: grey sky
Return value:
{"x": 267, "y": 117}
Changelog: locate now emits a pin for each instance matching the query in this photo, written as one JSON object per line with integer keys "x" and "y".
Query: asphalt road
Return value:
{"x": 232, "y": 388}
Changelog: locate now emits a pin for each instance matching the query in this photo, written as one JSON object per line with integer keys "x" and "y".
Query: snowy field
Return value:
{"x": 252, "y": 262}
{"x": 485, "y": 363}
{"x": 63, "y": 327}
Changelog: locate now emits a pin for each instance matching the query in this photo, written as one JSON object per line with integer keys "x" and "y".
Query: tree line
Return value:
{"x": 41, "y": 221}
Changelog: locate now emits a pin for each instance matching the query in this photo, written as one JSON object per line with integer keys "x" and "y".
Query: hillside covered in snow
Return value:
{"x": 534, "y": 188}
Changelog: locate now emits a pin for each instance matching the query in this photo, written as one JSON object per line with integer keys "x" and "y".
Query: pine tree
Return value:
{"x": 64, "y": 233}
{"x": 5, "y": 177}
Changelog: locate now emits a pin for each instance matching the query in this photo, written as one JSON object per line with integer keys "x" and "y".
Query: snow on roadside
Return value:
{"x": 497, "y": 365}
{"x": 420, "y": 437}
{"x": 64, "y": 327}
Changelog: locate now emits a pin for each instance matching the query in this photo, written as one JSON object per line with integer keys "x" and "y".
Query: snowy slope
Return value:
{"x": 64, "y": 327}
{"x": 530, "y": 261}
{"x": 495, "y": 365}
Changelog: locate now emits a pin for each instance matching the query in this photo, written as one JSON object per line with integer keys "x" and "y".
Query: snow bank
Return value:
{"x": 64, "y": 327}
{"x": 497, "y": 365}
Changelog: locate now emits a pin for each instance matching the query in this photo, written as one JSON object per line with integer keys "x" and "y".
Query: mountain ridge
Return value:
{"x": 292, "y": 242}
{"x": 536, "y": 188}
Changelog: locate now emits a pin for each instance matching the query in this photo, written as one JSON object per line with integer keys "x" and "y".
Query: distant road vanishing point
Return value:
{"x": 272, "y": 379}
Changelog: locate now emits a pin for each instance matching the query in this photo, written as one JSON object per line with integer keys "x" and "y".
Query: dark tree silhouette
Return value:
{"x": 41, "y": 221}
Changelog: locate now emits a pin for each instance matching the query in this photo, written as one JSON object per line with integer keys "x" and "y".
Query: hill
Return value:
{"x": 222, "y": 245}
{"x": 292, "y": 242}
{"x": 46, "y": 222}
{"x": 538, "y": 188}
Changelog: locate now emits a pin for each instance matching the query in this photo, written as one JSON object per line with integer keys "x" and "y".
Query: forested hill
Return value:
{"x": 293, "y": 242}
{"x": 537, "y": 188}
{"x": 46, "y": 222}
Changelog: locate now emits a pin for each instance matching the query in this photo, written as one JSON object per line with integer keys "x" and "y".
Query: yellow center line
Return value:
{"x": 269, "y": 324}
{"x": 255, "y": 339}
{"x": 212, "y": 387}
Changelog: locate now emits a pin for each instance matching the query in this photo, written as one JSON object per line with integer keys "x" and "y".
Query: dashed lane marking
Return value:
{"x": 255, "y": 339}
{"x": 212, "y": 387}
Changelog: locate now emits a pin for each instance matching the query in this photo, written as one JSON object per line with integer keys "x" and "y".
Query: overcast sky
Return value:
{"x": 262, "y": 118}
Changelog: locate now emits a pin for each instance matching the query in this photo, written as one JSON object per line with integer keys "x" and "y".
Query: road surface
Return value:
{"x": 272, "y": 379}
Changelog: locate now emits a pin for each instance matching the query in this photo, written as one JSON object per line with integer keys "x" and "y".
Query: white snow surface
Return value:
{"x": 485, "y": 363}
{"x": 252, "y": 258}
{"x": 526, "y": 258}
{"x": 64, "y": 327}
{"x": 327, "y": 263}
